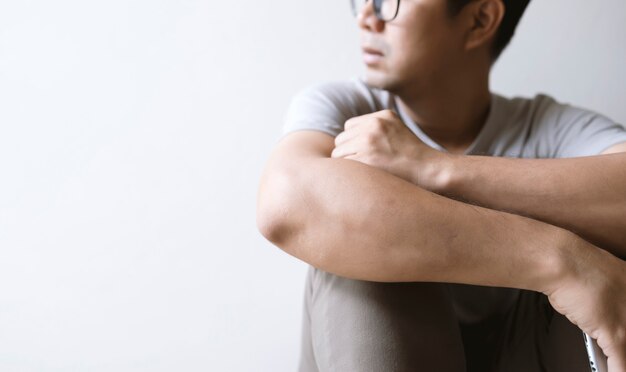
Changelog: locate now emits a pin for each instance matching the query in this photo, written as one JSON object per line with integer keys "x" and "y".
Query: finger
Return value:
{"x": 387, "y": 114}
{"x": 345, "y": 136}
{"x": 356, "y": 121}
{"x": 340, "y": 138}
{"x": 376, "y": 121}
{"x": 351, "y": 123}
{"x": 344, "y": 150}
{"x": 383, "y": 114}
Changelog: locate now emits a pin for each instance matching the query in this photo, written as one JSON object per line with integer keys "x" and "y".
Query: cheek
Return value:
{"x": 422, "y": 35}
{"x": 421, "y": 49}
{"x": 410, "y": 52}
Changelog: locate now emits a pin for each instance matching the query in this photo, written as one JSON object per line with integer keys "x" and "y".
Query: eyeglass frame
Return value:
{"x": 377, "y": 9}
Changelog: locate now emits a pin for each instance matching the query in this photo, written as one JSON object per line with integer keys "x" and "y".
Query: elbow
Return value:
{"x": 272, "y": 208}
{"x": 269, "y": 225}
{"x": 276, "y": 227}
{"x": 287, "y": 216}
{"x": 282, "y": 220}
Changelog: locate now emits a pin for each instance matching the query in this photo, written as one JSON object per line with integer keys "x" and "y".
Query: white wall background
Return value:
{"x": 132, "y": 137}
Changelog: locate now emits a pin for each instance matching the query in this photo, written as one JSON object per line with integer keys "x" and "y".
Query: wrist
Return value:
{"x": 437, "y": 173}
{"x": 572, "y": 258}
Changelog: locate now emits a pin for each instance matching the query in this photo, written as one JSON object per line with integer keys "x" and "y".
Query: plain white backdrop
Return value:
{"x": 132, "y": 137}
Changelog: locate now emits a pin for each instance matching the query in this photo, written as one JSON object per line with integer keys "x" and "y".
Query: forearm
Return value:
{"x": 585, "y": 195}
{"x": 357, "y": 221}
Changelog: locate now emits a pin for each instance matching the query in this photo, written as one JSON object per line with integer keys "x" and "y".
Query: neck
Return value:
{"x": 451, "y": 114}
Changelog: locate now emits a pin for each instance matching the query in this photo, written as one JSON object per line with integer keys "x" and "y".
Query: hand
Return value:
{"x": 382, "y": 140}
{"x": 593, "y": 297}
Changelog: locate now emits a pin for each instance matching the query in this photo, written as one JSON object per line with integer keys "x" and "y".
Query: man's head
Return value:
{"x": 431, "y": 40}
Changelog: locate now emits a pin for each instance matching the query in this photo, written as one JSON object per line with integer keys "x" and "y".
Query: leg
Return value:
{"x": 481, "y": 312}
{"x": 565, "y": 348}
{"x": 360, "y": 326}
{"x": 307, "y": 355}
{"x": 537, "y": 338}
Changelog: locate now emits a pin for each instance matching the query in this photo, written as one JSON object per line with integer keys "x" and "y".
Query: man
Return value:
{"x": 415, "y": 177}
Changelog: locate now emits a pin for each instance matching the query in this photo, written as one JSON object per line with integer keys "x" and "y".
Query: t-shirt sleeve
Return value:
{"x": 565, "y": 131}
{"x": 326, "y": 106}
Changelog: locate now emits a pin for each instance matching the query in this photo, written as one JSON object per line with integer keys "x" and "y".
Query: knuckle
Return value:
{"x": 371, "y": 159}
{"x": 352, "y": 121}
{"x": 389, "y": 114}
{"x": 379, "y": 126}
{"x": 371, "y": 138}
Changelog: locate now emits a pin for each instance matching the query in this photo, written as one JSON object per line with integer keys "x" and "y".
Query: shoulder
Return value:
{"x": 326, "y": 106}
{"x": 557, "y": 129}
{"x": 546, "y": 111}
{"x": 348, "y": 95}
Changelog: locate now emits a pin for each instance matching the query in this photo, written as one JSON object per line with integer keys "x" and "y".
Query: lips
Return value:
{"x": 372, "y": 57}
{"x": 373, "y": 51}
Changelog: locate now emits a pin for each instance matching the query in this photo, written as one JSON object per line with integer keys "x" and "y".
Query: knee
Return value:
{"x": 419, "y": 299}
{"x": 372, "y": 326}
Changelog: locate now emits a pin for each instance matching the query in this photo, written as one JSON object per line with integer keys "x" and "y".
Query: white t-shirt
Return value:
{"x": 538, "y": 127}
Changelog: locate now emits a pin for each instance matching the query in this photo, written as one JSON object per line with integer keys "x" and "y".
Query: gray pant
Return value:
{"x": 351, "y": 325}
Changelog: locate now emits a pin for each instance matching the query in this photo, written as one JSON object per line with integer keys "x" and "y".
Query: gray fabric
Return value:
{"x": 343, "y": 332}
{"x": 361, "y": 326}
{"x": 538, "y": 127}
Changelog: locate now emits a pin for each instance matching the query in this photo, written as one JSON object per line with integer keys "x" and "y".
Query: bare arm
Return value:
{"x": 357, "y": 221}
{"x": 586, "y": 195}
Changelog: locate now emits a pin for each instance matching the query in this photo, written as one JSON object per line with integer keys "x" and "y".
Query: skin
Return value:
{"x": 596, "y": 213}
{"x": 433, "y": 62}
{"x": 399, "y": 220}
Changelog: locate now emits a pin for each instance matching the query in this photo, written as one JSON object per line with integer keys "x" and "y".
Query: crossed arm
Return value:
{"x": 362, "y": 222}
{"x": 359, "y": 221}
{"x": 586, "y": 195}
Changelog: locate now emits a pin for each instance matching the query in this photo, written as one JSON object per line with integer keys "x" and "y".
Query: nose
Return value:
{"x": 366, "y": 18}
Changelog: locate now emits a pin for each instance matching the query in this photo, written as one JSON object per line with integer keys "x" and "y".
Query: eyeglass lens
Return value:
{"x": 385, "y": 10}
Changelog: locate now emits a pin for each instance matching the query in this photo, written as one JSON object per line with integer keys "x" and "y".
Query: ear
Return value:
{"x": 484, "y": 17}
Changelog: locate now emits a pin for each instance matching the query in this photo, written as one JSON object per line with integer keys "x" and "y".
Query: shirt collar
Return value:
{"x": 481, "y": 143}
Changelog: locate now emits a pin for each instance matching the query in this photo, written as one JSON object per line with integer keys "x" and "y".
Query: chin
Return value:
{"x": 380, "y": 80}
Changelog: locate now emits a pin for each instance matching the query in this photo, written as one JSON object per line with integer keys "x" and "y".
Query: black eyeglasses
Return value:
{"x": 385, "y": 10}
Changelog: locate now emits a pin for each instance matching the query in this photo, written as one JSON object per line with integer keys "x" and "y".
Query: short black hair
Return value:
{"x": 514, "y": 9}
